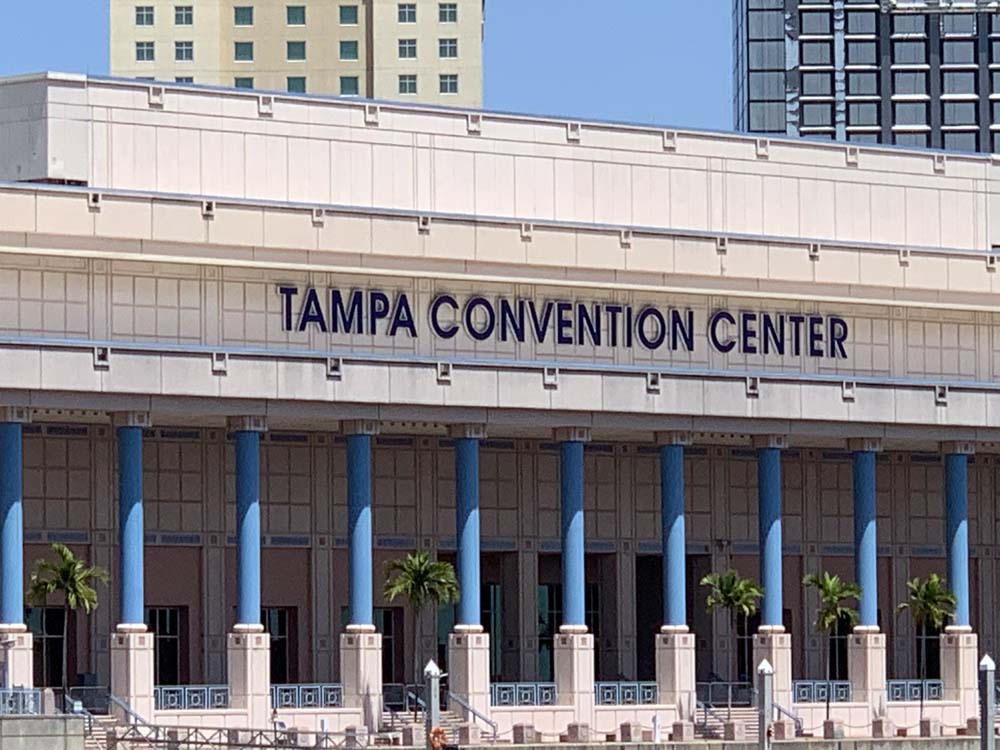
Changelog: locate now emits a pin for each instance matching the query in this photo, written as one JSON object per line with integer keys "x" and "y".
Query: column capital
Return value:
{"x": 360, "y": 427}
{"x": 472, "y": 431}
{"x": 131, "y": 419}
{"x": 247, "y": 423}
{"x": 770, "y": 441}
{"x": 962, "y": 447}
{"x": 868, "y": 444}
{"x": 673, "y": 437}
{"x": 571, "y": 434}
{"x": 15, "y": 414}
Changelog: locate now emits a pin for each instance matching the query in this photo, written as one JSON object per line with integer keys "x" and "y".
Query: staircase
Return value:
{"x": 97, "y": 735}
{"x": 395, "y": 721}
{"x": 710, "y": 726}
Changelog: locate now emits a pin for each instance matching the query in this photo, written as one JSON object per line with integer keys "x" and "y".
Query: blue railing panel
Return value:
{"x": 523, "y": 694}
{"x": 625, "y": 693}
{"x": 20, "y": 702}
{"x": 910, "y": 690}
{"x": 190, "y": 697}
{"x": 819, "y": 691}
{"x": 307, "y": 696}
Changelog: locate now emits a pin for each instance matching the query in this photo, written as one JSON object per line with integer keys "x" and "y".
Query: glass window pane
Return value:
{"x": 407, "y": 48}
{"x": 862, "y": 22}
{"x": 861, "y": 53}
{"x": 958, "y": 23}
{"x": 408, "y": 84}
{"x": 817, "y": 53}
{"x": 862, "y": 84}
{"x": 767, "y": 86}
{"x": 862, "y": 113}
{"x": 958, "y": 52}
{"x": 767, "y": 55}
{"x": 910, "y": 82}
{"x": 959, "y": 82}
{"x": 814, "y": 23}
{"x": 995, "y": 51}
{"x": 296, "y": 84}
{"x": 183, "y": 15}
{"x": 295, "y": 15}
{"x": 348, "y": 50}
{"x": 243, "y": 15}
{"x": 910, "y": 113}
{"x": 144, "y": 15}
{"x": 243, "y": 82}
{"x": 244, "y": 51}
{"x": 815, "y": 115}
{"x": 965, "y": 141}
{"x": 295, "y": 50}
{"x": 767, "y": 117}
{"x": 349, "y": 85}
{"x": 407, "y": 13}
{"x": 909, "y": 53}
{"x": 911, "y": 139}
{"x": 909, "y": 23}
{"x": 349, "y": 15}
{"x": 959, "y": 113}
{"x": 864, "y": 137}
{"x": 448, "y": 12}
{"x": 769, "y": 24}
{"x": 817, "y": 84}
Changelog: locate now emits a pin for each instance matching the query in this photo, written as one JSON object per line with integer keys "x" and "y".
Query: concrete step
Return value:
{"x": 712, "y": 726}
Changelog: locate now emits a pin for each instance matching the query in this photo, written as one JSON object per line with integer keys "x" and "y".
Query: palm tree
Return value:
{"x": 423, "y": 582}
{"x": 734, "y": 593}
{"x": 929, "y": 603}
{"x": 71, "y": 577}
{"x": 833, "y": 593}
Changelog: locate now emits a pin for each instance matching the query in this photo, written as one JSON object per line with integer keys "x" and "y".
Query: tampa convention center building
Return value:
{"x": 253, "y": 346}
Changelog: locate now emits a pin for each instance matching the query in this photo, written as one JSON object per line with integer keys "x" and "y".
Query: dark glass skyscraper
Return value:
{"x": 917, "y": 73}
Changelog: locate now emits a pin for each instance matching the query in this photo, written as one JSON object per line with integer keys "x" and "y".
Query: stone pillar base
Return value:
{"x": 960, "y": 669}
{"x": 775, "y": 645}
{"x": 18, "y": 657}
{"x": 249, "y": 668}
{"x": 469, "y": 670}
{"x": 866, "y": 668}
{"x": 132, "y": 671}
{"x": 574, "y": 673}
{"x": 361, "y": 673}
{"x": 675, "y": 670}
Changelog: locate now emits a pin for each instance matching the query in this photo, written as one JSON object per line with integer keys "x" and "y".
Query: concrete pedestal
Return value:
{"x": 960, "y": 669}
{"x": 249, "y": 669}
{"x": 361, "y": 673}
{"x": 469, "y": 669}
{"x": 18, "y": 658}
{"x": 866, "y": 668}
{"x": 675, "y": 677}
{"x": 775, "y": 645}
{"x": 574, "y": 671}
{"x": 132, "y": 671}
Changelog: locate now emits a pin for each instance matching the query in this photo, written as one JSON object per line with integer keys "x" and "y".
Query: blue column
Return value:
{"x": 769, "y": 505}
{"x": 865, "y": 546}
{"x": 573, "y": 562}
{"x": 130, "y": 526}
{"x": 248, "y": 527}
{"x": 11, "y": 530}
{"x": 467, "y": 525}
{"x": 359, "y": 515}
{"x": 957, "y": 531}
{"x": 672, "y": 506}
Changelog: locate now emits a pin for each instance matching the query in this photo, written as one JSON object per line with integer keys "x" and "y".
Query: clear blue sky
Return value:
{"x": 659, "y": 61}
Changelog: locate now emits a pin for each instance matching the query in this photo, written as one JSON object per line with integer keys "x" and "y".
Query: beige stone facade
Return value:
{"x": 423, "y": 50}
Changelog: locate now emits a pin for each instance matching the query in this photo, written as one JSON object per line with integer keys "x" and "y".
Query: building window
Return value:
{"x": 447, "y": 48}
{"x": 448, "y": 83}
{"x": 144, "y": 52}
{"x": 911, "y": 139}
{"x": 144, "y": 15}
{"x": 813, "y": 84}
{"x": 862, "y": 113}
{"x": 348, "y": 85}
{"x": 959, "y": 82}
{"x": 295, "y": 51}
{"x": 767, "y": 55}
{"x": 281, "y": 623}
{"x": 768, "y": 85}
{"x": 958, "y": 24}
{"x": 996, "y": 143}
{"x": 958, "y": 53}
{"x": 168, "y": 626}
{"x": 995, "y": 51}
{"x": 909, "y": 82}
{"x": 407, "y": 48}
{"x": 243, "y": 82}
{"x": 48, "y": 628}
{"x": 910, "y": 113}
{"x": 960, "y": 113}
{"x": 184, "y": 79}
{"x": 448, "y": 12}
{"x": 183, "y": 15}
{"x": 243, "y": 15}
{"x": 817, "y": 115}
{"x": 408, "y": 84}
{"x": 909, "y": 23}
{"x": 862, "y": 22}
{"x": 348, "y": 50}
{"x": 296, "y": 84}
{"x": 863, "y": 137}
{"x": 766, "y": 25}
{"x": 348, "y": 15}
{"x": 817, "y": 53}
{"x": 861, "y": 53}
{"x": 815, "y": 23}
{"x": 767, "y": 117}
{"x": 862, "y": 84}
{"x": 961, "y": 141}
{"x": 243, "y": 51}
{"x": 183, "y": 51}
{"x": 407, "y": 13}
{"x": 909, "y": 53}
{"x": 295, "y": 15}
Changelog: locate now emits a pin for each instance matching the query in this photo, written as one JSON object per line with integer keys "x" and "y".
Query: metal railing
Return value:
{"x": 625, "y": 693}
{"x": 485, "y": 719}
{"x": 793, "y": 717}
{"x": 307, "y": 696}
{"x": 523, "y": 694}
{"x": 911, "y": 690}
{"x": 191, "y": 697}
{"x": 398, "y": 696}
{"x": 819, "y": 691}
{"x": 20, "y": 702}
{"x": 724, "y": 694}
{"x": 202, "y": 738}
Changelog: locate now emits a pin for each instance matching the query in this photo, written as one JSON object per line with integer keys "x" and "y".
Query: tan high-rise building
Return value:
{"x": 421, "y": 50}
